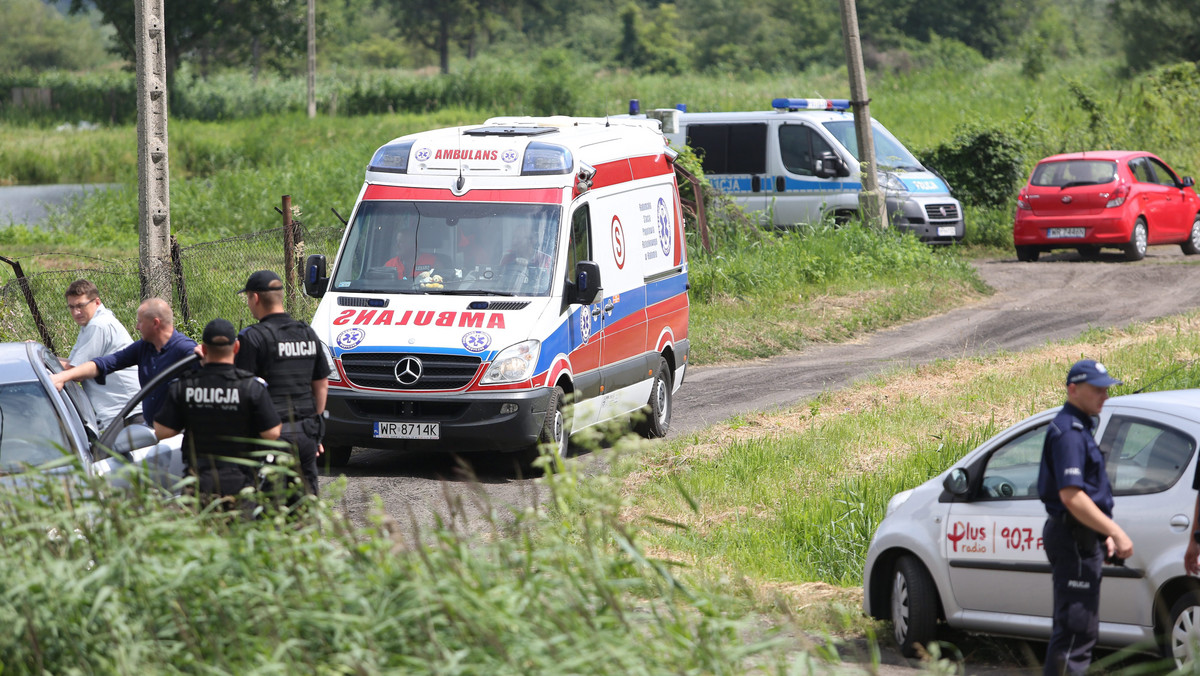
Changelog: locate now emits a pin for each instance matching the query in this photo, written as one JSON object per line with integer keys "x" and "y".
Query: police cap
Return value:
{"x": 219, "y": 332}
{"x": 263, "y": 280}
{"x": 1091, "y": 372}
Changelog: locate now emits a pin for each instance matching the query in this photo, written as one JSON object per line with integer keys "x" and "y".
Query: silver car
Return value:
{"x": 38, "y": 424}
{"x": 966, "y": 547}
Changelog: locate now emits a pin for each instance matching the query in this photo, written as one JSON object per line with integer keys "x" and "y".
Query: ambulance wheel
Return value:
{"x": 1135, "y": 250}
{"x": 556, "y": 429}
{"x": 1027, "y": 254}
{"x": 336, "y": 456}
{"x": 914, "y": 606}
{"x": 658, "y": 410}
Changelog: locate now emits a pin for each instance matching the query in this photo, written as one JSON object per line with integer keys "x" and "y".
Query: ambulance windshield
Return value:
{"x": 462, "y": 248}
{"x": 890, "y": 153}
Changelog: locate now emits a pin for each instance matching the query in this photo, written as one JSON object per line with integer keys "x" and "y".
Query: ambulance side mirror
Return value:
{"x": 830, "y": 165}
{"x": 587, "y": 284}
{"x": 315, "y": 279}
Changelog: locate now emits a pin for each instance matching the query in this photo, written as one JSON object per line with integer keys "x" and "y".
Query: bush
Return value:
{"x": 985, "y": 165}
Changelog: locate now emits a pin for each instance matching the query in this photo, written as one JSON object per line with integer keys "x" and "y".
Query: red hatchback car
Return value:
{"x": 1113, "y": 198}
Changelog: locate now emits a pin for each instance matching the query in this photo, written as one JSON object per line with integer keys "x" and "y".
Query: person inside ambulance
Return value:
{"x": 406, "y": 261}
{"x": 523, "y": 252}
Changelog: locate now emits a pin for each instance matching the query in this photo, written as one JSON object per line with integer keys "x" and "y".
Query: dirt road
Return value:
{"x": 1056, "y": 298}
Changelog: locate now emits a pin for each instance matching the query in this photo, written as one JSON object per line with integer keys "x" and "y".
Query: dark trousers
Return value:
{"x": 302, "y": 436}
{"x": 1075, "y": 561}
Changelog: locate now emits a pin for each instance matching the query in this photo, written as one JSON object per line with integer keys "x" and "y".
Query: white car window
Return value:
{"x": 1144, "y": 456}
{"x": 1012, "y": 470}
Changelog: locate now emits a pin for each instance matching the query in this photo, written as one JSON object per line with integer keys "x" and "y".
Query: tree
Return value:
{"x": 211, "y": 30}
{"x": 440, "y": 24}
{"x": 1145, "y": 25}
{"x": 36, "y": 36}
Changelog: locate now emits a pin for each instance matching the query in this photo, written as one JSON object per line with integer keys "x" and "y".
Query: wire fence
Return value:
{"x": 206, "y": 279}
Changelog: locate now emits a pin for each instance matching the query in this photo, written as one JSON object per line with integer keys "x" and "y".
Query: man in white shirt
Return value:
{"x": 100, "y": 334}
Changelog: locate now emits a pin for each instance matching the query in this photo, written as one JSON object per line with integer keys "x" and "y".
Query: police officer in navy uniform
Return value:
{"x": 218, "y": 408}
{"x": 287, "y": 353}
{"x": 1079, "y": 533}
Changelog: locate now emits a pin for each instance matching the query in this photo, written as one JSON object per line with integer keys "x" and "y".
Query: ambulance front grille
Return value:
{"x": 390, "y": 409}
{"x": 942, "y": 212}
{"x": 438, "y": 371}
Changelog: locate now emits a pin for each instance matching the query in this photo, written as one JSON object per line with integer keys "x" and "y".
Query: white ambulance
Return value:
{"x": 798, "y": 163}
{"x": 491, "y": 275}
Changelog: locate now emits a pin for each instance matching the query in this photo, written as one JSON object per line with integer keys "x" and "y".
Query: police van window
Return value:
{"x": 1012, "y": 470}
{"x": 890, "y": 153}
{"x": 1143, "y": 456}
{"x": 730, "y": 148}
{"x": 580, "y": 246}
{"x": 800, "y": 147}
{"x": 1141, "y": 170}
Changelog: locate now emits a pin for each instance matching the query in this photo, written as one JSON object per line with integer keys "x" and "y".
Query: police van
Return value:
{"x": 798, "y": 163}
{"x": 490, "y": 275}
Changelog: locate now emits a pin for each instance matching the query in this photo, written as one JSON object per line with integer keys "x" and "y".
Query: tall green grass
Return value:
{"x": 104, "y": 581}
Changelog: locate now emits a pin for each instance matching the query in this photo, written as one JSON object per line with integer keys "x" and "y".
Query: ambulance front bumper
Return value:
{"x": 485, "y": 421}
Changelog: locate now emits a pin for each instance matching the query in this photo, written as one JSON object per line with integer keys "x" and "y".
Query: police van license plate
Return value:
{"x": 945, "y": 231}
{"x": 402, "y": 430}
{"x": 1065, "y": 232}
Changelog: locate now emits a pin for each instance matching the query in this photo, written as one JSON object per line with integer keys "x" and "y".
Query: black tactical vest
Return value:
{"x": 288, "y": 352}
{"x": 219, "y": 410}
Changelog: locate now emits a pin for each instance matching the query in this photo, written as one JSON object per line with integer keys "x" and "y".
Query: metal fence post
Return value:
{"x": 289, "y": 253}
{"x": 177, "y": 269}
{"x": 32, "y": 303}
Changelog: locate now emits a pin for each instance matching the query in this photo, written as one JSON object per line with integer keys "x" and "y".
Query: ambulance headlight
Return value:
{"x": 333, "y": 372}
{"x": 543, "y": 159}
{"x": 392, "y": 158}
{"x": 514, "y": 363}
{"x": 892, "y": 184}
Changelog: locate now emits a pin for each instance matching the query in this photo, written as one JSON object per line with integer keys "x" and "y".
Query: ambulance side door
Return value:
{"x": 734, "y": 157}
{"x": 801, "y": 195}
{"x": 585, "y": 324}
{"x": 621, "y": 222}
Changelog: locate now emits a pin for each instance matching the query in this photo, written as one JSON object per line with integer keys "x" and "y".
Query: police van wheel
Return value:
{"x": 658, "y": 410}
{"x": 914, "y": 611}
{"x": 337, "y": 456}
{"x": 1179, "y": 643}
{"x": 1135, "y": 250}
{"x": 1027, "y": 254}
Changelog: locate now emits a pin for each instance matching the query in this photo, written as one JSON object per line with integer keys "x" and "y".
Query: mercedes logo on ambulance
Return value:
{"x": 408, "y": 371}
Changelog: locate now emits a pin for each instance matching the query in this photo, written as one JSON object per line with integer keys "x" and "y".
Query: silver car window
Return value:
{"x": 31, "y": 433}
{"x": 1012, "y": 470}
{"x": 1144, "y": 456}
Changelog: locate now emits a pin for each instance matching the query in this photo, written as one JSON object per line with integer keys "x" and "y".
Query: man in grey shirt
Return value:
{"x": 100, "y": 334}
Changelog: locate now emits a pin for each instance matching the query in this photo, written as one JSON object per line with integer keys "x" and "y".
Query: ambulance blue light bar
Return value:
{"x": 543, "y": 159}
{"x": 392, "y": 158}
{"x": 810, "y": 104}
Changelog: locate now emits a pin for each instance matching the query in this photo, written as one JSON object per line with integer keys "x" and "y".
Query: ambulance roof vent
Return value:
{"x": 509, "y": 130}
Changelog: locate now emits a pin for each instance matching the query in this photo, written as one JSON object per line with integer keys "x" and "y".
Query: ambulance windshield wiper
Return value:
{"x": 473, "y": 292}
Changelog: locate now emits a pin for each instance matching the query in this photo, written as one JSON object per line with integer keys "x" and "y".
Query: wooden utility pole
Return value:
{"x": 870, "y": 199}
{"x": 312, "y": 59}
{"x": 154, "y": 180}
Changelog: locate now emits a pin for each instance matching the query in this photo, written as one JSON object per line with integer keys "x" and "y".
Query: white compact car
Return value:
{"x": 966, "y": 547}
